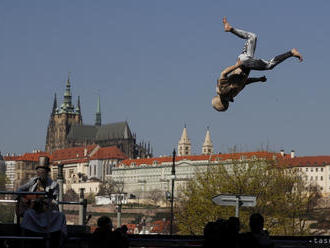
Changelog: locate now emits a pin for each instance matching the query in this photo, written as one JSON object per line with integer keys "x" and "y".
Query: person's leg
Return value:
{"x": 261, "y": 65}
{"x": 250, "y": 44}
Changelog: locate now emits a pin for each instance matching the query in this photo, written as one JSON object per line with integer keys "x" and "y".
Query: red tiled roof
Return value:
{"x": 109, "y": 152}
{"x": 213, "y": 157}
{"x": 305, "y": 161}
{"x": 72, "y": 153}
{"x": 11, "y": 158}
{"x": 34, "y": 157}
{"x": 160, "y": 226}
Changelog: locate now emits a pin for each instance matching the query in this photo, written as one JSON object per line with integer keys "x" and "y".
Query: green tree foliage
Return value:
{"x": 282, "y": 196}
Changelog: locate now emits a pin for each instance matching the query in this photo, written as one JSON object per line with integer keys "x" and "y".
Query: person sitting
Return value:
{"x": 40, "y": 214}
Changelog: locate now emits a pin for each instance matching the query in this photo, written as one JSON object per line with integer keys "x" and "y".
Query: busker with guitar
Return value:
{"x": 41, "y": 183}
{"x": 40, "y": 212}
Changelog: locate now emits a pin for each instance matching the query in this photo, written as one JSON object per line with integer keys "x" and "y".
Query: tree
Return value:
{"x": 111, "y": 188}
{"x": 282, "y": 196}
{"x": 70, "y": 195}
{"x": 155, "y": 196}
{"x": 91, "y": 198}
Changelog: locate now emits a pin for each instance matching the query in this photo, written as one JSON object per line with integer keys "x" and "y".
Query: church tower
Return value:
{"x": 207, "y": 148}
{"x": 61, "y": 120}
{"x": 184, "y": 145}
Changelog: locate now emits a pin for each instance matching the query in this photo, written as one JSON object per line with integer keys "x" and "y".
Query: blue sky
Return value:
{"x": 155, "y": 63}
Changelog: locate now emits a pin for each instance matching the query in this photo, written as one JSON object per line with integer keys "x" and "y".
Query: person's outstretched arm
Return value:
{"x": 229, "y": 69}
{"x": 254, "y": 80}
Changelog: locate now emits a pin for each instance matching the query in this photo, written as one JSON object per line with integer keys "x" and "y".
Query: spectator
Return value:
{"x": 257, "y": 238}
{"x": 103, "y": 235}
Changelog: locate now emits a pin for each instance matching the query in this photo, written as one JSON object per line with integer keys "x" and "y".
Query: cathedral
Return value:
{"x": 66, "y": 129}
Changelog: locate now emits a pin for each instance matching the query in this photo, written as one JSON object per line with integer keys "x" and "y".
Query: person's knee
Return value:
{"x": 253, "y": 36}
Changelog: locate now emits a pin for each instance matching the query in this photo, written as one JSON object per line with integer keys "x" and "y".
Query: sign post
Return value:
{"x": 235, "y": 200}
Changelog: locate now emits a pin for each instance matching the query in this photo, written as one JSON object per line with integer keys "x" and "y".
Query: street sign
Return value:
{"x": 231, "y": 200}
{"x": 235, "y": 200}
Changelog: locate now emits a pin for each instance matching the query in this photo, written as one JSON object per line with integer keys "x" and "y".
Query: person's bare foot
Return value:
{"x": 226, "y": 25}
{"x": 297, "y": 54}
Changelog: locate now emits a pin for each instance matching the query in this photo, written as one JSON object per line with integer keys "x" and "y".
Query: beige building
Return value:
{"x": 85, "y": 167}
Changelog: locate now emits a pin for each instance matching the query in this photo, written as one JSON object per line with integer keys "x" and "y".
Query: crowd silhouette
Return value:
{"x": 226, "y": 233}
{"x": 104, "y": 236}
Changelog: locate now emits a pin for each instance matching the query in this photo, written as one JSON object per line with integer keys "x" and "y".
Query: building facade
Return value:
{"x": 85, "y": 167}
{"x": 11, "y": 171}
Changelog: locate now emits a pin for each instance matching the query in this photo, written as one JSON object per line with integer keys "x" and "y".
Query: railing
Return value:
{"x": 82, "y": 202}
{"x": 19, "y": 234}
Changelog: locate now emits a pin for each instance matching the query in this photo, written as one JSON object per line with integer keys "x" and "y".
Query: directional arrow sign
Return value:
{"x": 231, "y": 200}
{"x": 235, "y": 200}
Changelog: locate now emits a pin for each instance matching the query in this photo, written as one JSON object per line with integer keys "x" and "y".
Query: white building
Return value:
{"x": 10, "y": 162}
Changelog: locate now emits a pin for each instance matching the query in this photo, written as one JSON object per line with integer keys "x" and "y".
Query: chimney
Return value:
{"x": 282, "y": 153}
{"x": 292, "y": 154}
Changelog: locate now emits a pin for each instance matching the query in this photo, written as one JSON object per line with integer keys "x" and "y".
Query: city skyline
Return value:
{"x": 155, "y": 64}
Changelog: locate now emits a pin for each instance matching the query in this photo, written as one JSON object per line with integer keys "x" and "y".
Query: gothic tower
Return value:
{"x": 61, "y": 120}
{"x": 98, "y": 121}
{"x": 207, "y": 148}
{"x": 184, "y": 145}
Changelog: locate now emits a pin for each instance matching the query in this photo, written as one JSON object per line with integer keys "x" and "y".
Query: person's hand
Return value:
{"x": 263, "y": 79}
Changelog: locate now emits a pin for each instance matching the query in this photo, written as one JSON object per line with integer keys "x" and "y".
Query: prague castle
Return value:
{"x": 66, "y": 129}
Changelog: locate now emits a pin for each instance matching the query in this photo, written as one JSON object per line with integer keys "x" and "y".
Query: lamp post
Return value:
{"x": 119, "y": 205}
{"x": 172, "y": 195}
{"x": 60, "y": 180}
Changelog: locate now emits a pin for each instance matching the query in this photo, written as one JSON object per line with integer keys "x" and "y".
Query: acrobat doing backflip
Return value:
{"x": 234, "y": 78}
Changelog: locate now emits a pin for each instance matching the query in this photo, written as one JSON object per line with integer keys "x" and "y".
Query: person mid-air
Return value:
{"x": 234, "y": 78}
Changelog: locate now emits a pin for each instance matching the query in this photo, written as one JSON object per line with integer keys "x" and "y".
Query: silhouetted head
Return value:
{"x": 124, "y": 229}
{"x": 256, "y": 222}
{"x": 104, "y": 222}
{"x": 219, "y": 105}
{"x": 233, "y": 224}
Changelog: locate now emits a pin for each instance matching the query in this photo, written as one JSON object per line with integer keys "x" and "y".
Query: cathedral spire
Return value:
{"x": 98, "y": 121}
{"x": 67, "y": 106}
{"x": 67, "y": 93}
{"x": 207, "y": 146}
{"x": 78, "y": 106}
{"x": 184, "y": 145}
{"x": 54, "y": 105}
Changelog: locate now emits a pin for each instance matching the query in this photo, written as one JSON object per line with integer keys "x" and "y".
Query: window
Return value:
{"x": 321, "y": 178}
{"x": 317, "y": 169}
{"x": 316, "y": 178}
{"x": 306, "y": 169}
{"x": 311, "y": 169}
{"x": 321, "y": 169}
{"x": 311, "y": 178}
